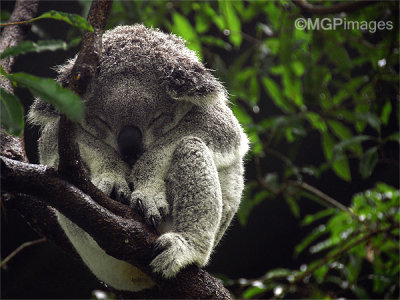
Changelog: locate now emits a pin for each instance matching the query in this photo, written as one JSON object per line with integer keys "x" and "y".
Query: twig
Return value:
{"x": 341, "y": 251}
{"x": 20, "y": 248}
{"x": 334, "y": 9}
{"x": 13, "y": 23}
{"x": 321, "y": 195}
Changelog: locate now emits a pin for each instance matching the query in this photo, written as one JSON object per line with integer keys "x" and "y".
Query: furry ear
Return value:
{"x": 193, "y": 83}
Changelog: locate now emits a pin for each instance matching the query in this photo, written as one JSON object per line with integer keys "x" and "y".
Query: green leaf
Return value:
{"x": 385, "y": 114}
{"x": 202, "y": 23}
{"x": 339, "y": 129}
{"x": 368, "y": 162}
{"x": 232, "y": 22}
{"x": 342, "y": 169}
{"x": 328, "y": 142}
{"x": 337, "y": 54}
{"x": 395, "y": 137}
{"x": 316, "y": 121}
{"x": 349, "y": 144}
{"x": 50, "y": 91}
{"x": 371, "y": 118}
{"x": 294, "y": 207}
{"x": 316, "y": 233}
{"x": 209, "y": 11}
{"x": 183, "y": 28}
{"x": 292, "y": 87}
{"x": 242, "y": 116}
{"x": 298, "y": 68}
{"x": 275, "y": 92}
{"x": 319, "y": 215}
{"x": 12, "y": 113}
{"x": 253, "y": 291}
{"x": 320, "y": 273}
{"x": 348, "y": 90}
{"x": 72, "y": 19}
{"x": 278, "y": 274}
{"x": 40, "y": 46}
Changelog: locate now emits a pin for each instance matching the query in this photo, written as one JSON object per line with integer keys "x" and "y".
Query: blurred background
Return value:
{"x": 321, "y": 108}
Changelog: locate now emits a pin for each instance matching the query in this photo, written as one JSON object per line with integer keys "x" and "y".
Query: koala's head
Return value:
{"x": 144, "y": 80}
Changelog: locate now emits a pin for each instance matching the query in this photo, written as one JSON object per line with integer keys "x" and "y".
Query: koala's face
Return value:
{"x": 126, "y": 111}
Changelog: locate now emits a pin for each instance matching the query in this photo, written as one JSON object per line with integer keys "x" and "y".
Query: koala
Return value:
{"x": 157, "y": 135}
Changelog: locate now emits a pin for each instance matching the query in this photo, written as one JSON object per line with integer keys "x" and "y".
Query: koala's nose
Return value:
{"x": 130, "y": 144}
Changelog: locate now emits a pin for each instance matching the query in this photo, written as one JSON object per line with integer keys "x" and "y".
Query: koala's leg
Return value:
{"x": 232, "y": 184}
{"x": 194, "y": 191}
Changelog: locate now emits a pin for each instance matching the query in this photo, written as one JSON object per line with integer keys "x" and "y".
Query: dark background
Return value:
{"x": 267, "y": 242}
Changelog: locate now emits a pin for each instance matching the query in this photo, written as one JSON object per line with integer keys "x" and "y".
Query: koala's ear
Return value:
{"x": 193, "y": 83}
{"x": 41, "y": 112}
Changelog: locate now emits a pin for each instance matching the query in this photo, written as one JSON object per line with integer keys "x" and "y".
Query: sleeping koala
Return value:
{"x": 156, "y": 122}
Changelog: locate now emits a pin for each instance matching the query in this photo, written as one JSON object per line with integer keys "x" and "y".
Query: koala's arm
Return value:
{"x": 194, "y": 191}
{"x": 106, "y": 170}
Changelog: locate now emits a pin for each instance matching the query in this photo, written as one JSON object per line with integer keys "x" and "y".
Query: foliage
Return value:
{"x": 366, "y": 237}
{"x": 12, "y": 113}
{"x": 336, "y": 88}
{"x": 64, "y": 100}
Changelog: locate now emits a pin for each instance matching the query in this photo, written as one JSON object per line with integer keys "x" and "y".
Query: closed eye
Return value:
{"x": 157, "y": 118}
{"x": 102, "y": 123}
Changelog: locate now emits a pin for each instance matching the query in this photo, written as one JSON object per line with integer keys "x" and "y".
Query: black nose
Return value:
{"x": 130, "y": 144}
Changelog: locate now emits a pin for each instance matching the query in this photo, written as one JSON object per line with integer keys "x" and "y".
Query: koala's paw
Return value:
{"x": 154, "y": 209}
{"x": 171, "y": 254}
{"x": 113, "y": 185}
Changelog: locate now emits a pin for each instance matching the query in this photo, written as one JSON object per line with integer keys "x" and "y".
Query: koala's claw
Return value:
{"x": 139, "y": 205}
{"x": 153, "y": 221}
{"x": 119, "y": 196}
{"x": 114, "y": 186}
{"x": 153, "y": 209}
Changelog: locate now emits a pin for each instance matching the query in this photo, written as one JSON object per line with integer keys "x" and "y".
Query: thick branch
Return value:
{"x": 14, "y": 34}
{"x": 121, "y": 237}
{"x": 83, "y": 71}
{"x": 334, "y": 9}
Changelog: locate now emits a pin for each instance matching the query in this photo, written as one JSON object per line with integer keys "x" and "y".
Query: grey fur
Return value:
{"x": 189, "y": 179}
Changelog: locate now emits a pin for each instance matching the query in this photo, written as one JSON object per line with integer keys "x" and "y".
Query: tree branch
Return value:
{"x": 305, "y": 186}
{"x": 70, "y": 163}
{"x": 121, "y": 237}
{"x": 334, "y": 9}
{"x": 12, "y": 35}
